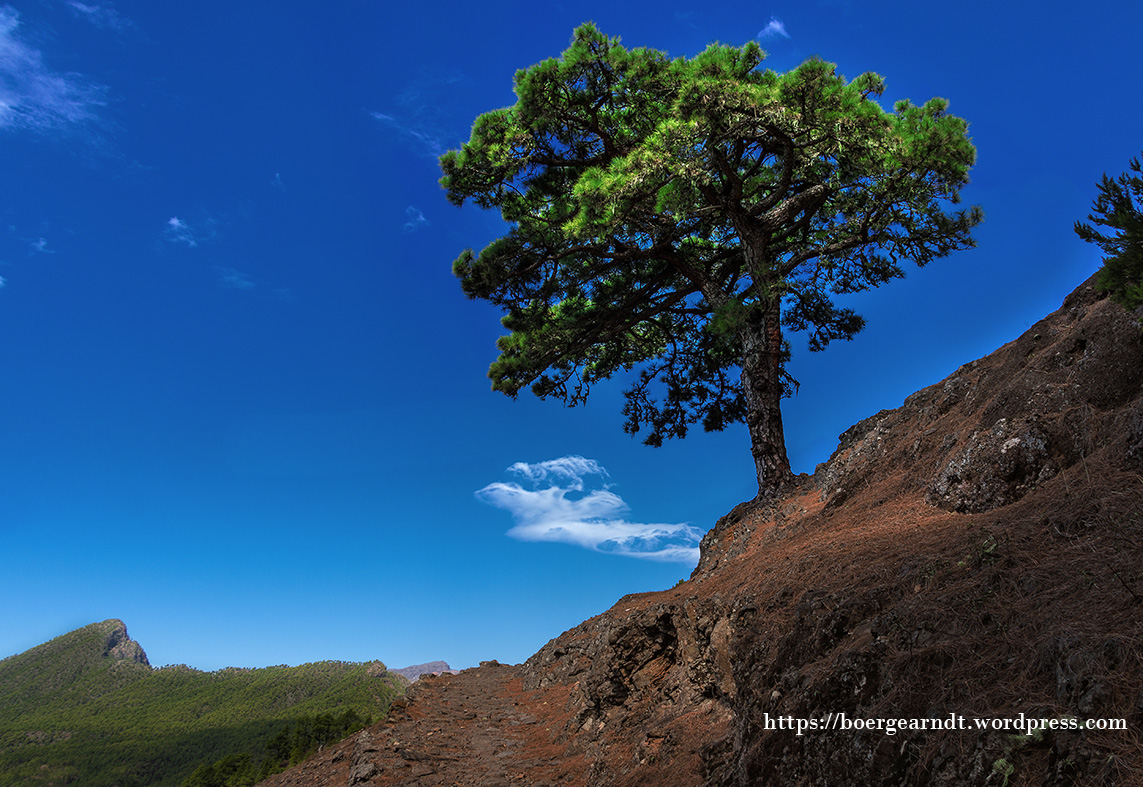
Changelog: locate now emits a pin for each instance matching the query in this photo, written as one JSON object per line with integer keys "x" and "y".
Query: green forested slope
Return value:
{"x": 87, "y": 708}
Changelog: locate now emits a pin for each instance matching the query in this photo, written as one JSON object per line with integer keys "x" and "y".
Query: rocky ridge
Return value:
{"x": 976, "y": 552}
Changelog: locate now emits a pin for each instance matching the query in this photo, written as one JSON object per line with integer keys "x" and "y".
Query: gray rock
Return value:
{"x": 994, "y": 468}
{"x": 362, "y": 773}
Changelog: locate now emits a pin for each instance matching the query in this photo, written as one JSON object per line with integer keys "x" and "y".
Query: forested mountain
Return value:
{"x": 87, "y": 708}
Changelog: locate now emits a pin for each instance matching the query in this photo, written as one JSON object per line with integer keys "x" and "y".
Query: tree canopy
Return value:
{"x": 675, "y": 215}
{"x": 1118, "y": 208}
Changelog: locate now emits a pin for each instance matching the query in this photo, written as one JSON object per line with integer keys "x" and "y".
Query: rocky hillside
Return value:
{"x": 975, "y": 553}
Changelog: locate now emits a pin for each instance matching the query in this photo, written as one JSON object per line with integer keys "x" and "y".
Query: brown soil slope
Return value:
{"x": 976, "y": 553}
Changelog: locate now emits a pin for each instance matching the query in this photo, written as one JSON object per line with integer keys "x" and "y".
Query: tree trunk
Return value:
{"x": 761, "y": 338}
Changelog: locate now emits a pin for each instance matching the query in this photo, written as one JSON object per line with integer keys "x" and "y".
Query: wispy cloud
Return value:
{"x": 3, "y": 282}
{"x": 34, "y": 97}
{"x": 775, "y": 27}
{"x": 231, "y": 279}
{"x": 688, "y": 18}
{"x": 414, "y": 220}
{"x": 427, "y": 142}
{"x": 570, "y": 501}
{"x": 178, "y": 231}
{"x": 278, "y": 184}
{"x": 419, "y": 118}
{"x": 40, "y": 246}
{"x": 283, "y": 294}
{"x": 102, "y": 16}
{"x": 240, "y": 281}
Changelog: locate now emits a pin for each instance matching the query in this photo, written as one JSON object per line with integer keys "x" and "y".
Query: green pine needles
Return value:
{"x": 677, "y": 216}
{"x": 1118, "y": 208}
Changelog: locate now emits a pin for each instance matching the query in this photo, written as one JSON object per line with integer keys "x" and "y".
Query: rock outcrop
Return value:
{"x": 119, "y": 646}
{"x": 999, "y": 427}
{"x": 975, "y": 554}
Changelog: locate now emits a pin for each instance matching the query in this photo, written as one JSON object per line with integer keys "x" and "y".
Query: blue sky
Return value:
{"x": 243, "y": 402}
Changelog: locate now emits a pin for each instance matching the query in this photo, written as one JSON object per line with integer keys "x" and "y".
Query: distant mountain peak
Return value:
{"x": 87, "y": 708}
{"x": 431, "y": 668}
{"x": 118, "y": 645}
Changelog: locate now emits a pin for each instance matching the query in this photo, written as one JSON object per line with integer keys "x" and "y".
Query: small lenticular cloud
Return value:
{"x": 774, "y": 28}
{"x": 571, "y": 502}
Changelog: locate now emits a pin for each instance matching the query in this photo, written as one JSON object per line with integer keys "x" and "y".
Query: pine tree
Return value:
{"x": 675, "y": 215}
{"x": 1118, "y": 208}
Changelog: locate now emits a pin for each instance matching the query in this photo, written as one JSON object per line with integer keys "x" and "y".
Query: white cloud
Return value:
{"x": 571, "y": 469}
{"x": 415, "y": 220}
{"x": 34, "y": 97}
{"x": 774, "y": 28}
{"x": 3, "y": 282}
{"x": 178, "y": 231}
{"x": 40, "y": 246}
{"x": 278, "y": 184}
{"x": 102, "y": 16}
{"x": 571, "y": 502}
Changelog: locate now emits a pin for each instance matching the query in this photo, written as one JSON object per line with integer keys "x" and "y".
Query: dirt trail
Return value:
{"x": 475, "y": 728}
{"x": 976, "y": 551}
